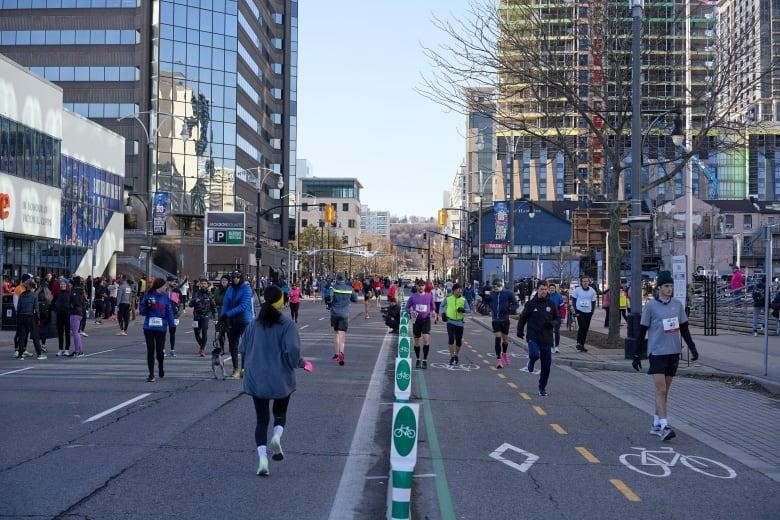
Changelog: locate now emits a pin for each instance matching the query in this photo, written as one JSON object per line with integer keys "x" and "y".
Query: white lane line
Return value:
{"x": 15, "y": 371}
{"x": 363, "y": 452}
{"x": 100, "y": 352}
{"x": 115, "y": 408}
{"x": 322, "y": 318}
{"x": 304, "y": 326}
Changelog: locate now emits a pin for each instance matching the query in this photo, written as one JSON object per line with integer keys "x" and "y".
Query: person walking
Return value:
{"x": 502, "y": 304}
{"x": 220, "y": 329}
{"x": 176, "y": 299}
{"x": 62, "y": 318}
{"x": 368, "y": 293}
{"x": 453, "y": 312}
{"x": 156, "y": 308}
{"x": 420, "y": 307}
{"x": 27, "y": 319}
{"x": 558, "y": 301}
{"x": 101, "y": 294}
{"x": 78, "y": 312}
{"x": 540, "y": 313}
{"x": 343, "y": 295}
{"x": 294, "y": 297}
{"x": 238, "y": 311}
{"x": 758, "y": 304}
{"x": 438, "y": 296}
{"x": 203, "y": 307}
{"x": 124, "y": 299}
{"x": 664, "y": 321}
{"x": 737, "y": 285}
{"x": 584, "y": 303}
{"x": 271, "y": 349}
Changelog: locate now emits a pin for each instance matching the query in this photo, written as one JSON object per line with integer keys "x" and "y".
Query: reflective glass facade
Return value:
{"x": 28, "y": 154}
{"x": 196, "y": 83}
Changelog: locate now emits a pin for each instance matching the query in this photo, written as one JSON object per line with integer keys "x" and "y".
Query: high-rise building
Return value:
{"x": 374, "y": 222}
{"x": 203, "y": 92}
{"x": 342, "y": 192}
{"x": 582, "y": 45}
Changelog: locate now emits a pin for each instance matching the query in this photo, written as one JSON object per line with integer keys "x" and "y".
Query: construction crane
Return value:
{"x": 710, "y": 173}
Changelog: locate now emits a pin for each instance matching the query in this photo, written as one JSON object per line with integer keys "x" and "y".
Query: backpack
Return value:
{"x": 44, "y": 303}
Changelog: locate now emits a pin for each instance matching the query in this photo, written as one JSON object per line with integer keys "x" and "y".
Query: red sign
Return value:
{"x": 494, "y": 248}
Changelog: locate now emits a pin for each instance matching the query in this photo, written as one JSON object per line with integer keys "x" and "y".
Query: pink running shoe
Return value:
{"x": 505, "y": 358}
{"x": 499, "y": 364}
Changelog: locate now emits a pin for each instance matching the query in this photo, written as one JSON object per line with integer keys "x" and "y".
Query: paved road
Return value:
{"x": 186, "y": 449}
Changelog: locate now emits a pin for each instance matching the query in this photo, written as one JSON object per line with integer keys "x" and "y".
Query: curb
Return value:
{"x": 771, "y": 387}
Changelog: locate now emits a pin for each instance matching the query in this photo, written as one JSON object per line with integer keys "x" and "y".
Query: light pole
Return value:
{"x": 148, "y": 248}
{"x": 481, "y": 197}
{"x": 258, "y": 213}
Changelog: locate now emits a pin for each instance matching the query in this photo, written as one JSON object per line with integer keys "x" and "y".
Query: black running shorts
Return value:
{"x": 421, "y": 326}
{"x": 338, "y": 323}
{"x": 665, "y": 364}
{"x": 501, "y": 326}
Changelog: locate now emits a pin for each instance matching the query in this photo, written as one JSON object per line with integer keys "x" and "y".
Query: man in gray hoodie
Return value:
{"x": 343, "y": 295}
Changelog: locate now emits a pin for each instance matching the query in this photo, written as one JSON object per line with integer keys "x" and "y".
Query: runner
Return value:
{"x": 378, "y": 287}
{"x": 174, "y": 293}
{"x": 502, "y": 304}
{"x": 453, "y": 312}
{"x": 584, "y": 303}
{"x": 203, "y": 307}
{"x": 343, "y": 295}
{"x": 665, "y": 319}
{"x": 438, "y": 296}
{"x": 368, "y": 292}
{"x": 294, "y": 298}
{"x": 420, "y": 306}
{"x": 541, "y": 315}
{"x": 555, "y": 297}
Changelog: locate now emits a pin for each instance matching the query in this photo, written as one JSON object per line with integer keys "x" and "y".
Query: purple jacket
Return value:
{"x": 421, "y": 304}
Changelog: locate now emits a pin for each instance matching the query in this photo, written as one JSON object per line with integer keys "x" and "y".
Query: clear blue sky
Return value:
{"x": 358, "y": 113}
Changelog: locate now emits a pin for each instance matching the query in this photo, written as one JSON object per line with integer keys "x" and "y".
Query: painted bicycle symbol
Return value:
{"x": 403, "y": 375}
{"x": 466, "y": 367}
{"x": 659, "y": 463}
{"x": 405, "y": 431}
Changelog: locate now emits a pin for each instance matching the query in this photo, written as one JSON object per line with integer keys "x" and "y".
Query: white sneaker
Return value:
{"x": 60, "y": 353}
{"x": 82, "y": 333}
{"x": 275, "y": 447}
{"x": 262, "y": 467}
{"x": 42, "y": 356}
{"x": 555, "y": 350}
{"x": 655, "y": 430}
{"x": 27, "y": 353}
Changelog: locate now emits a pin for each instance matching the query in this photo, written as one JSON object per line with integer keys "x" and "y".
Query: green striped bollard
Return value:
{"x": 403, "y": 378}
{"x": 404, "y": 347}
{"x": 403, "y": 458}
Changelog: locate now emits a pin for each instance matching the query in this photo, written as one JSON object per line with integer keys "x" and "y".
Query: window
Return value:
{"x": 351, "y": 223}
{"x": 747, "y": 221}
{"x": 304, "y": 222}
{"x": 345, "y": 206}
{"x": 728, "y": 221}
{"x": 305, "y": 207}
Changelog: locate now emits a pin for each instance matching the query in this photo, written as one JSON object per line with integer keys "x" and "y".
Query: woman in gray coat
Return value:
{"x": 271, "y": 350}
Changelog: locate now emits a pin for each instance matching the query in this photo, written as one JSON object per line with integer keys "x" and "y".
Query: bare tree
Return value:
{"x": 553, "y": 78}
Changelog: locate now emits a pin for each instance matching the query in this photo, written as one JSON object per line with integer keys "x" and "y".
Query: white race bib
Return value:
{"x": 671, "y": 325}
{"x": 421, "y": 307}
{"x": 156, "y": 322}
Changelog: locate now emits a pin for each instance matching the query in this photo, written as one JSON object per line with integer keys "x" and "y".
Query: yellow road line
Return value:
{"x": 512, "y": 385}
{"x": 486, "y": 361}
{"x": 539, "y": 410}
{"x": 525, "y": 396}
{"x": 587, "y": 455}
{"x": 502, "y": 376}
{"x": 480, "y": 356}
{"x": 623, "y": 488}
{"x": 559, "y": 429}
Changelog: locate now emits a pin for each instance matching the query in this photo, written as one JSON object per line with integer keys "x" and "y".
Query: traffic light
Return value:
{"x": 330, "y": 213}
{"x": 442, "y": 218}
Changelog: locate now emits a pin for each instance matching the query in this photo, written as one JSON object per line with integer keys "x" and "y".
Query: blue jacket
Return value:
{"x": 343, "y": 295}
{"x": 161, "y": 308}
{"x": 271, "y": 355}
{"x": 502, "y": 304}
{"x": 238, "y": 303}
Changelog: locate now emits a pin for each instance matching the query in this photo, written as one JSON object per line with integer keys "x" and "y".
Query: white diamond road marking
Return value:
{"x": 530, "y": 458}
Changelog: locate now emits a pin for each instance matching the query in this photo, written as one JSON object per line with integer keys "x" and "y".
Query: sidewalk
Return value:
{"x": 729, "y": 354}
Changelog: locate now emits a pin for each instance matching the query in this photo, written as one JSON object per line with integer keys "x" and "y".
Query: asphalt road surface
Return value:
{"x": 90, "y": 438}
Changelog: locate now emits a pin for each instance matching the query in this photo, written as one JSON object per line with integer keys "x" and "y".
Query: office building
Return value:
{"x": 344, "y": 193}
{"x": 61, "y": 179}
{"x": 206, "y": 94}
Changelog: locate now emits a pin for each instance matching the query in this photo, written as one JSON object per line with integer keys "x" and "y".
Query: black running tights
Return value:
{"x": 263, "y": 417}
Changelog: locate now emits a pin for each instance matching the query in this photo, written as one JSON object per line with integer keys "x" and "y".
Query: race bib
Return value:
{"x": 421, "y": 307}
{"x": 583, "y": 306}
{"x": 156, "y": 322}
{"x": 671, "y": 325}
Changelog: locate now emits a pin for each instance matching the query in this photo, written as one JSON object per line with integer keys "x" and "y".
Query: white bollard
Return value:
{"x": 403, "y": 378}
{"x": 403, "y": 458}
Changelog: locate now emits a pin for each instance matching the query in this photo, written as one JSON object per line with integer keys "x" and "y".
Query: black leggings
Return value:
{"x": 263, "y": 417}
{"x": 454, "y": 334}
{"x": 234, "y": 334}
{"x": 63, "y": 330}
{"x": 155, "y": 346}
{"x": 123, "y": 316}
{"x": 583, "y": 324}
{"x": 202, "y": 332}
{"x": 173, "y": 338}
{"x": 294, "y": 310}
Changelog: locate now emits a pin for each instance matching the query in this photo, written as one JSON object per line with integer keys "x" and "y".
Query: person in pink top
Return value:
{"x": 295, "y": 301}
{"x": 737, "y": 285}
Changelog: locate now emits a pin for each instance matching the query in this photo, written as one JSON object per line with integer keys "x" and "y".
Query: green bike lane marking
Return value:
{"x": 446, "y": 507}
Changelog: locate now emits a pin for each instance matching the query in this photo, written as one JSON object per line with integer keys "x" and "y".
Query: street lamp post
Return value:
{"x": 148, "y": 248}
{"x": 258, "y": 213}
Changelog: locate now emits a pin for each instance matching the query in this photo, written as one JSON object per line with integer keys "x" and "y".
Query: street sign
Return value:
{"x": 225, "y": 228}
{"x": 403, "y": 379}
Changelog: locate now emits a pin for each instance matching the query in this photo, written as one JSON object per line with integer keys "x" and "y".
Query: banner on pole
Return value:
{"x": 160, "y": 204}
